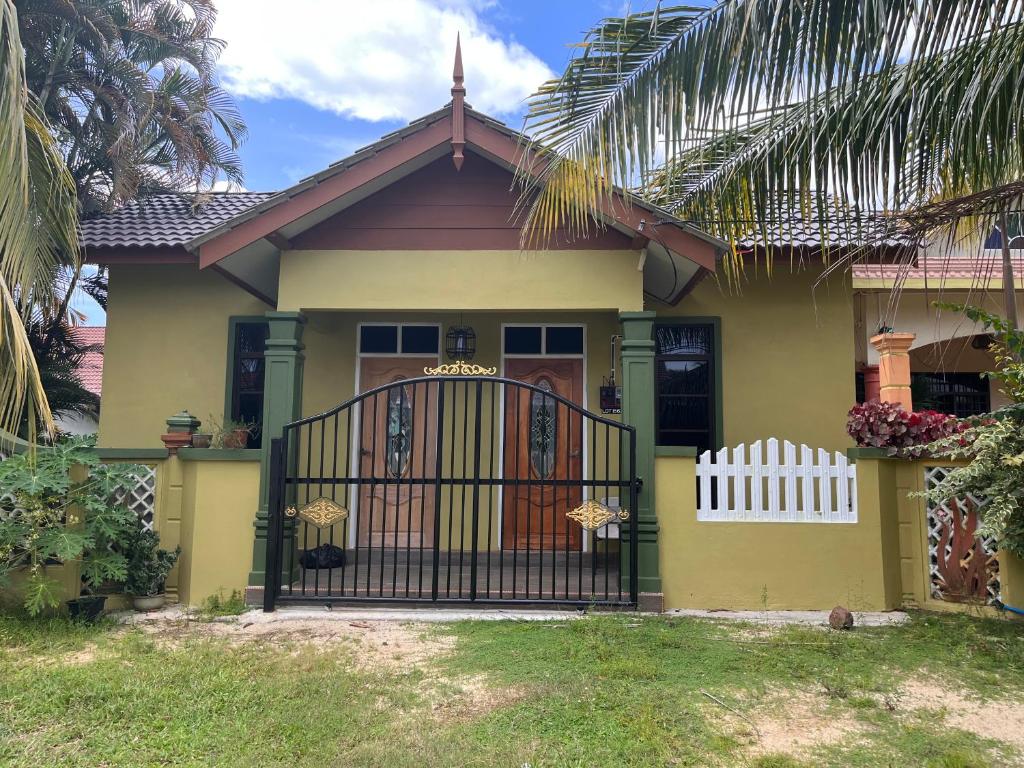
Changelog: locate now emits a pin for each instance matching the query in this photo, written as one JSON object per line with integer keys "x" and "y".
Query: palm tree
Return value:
{"x": 37, "y": 230}
{"x": 131, "y": 90}
{"x": 744, "y": 114}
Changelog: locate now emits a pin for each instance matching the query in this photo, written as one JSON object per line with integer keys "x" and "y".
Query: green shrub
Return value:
{"x": 47, "y": 519}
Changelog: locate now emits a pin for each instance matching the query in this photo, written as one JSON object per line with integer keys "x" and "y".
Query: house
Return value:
{"x": 441, "y": 415}
{"x": 90, "y": 373}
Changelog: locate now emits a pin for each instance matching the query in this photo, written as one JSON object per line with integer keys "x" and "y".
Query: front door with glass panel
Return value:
{"x": 397, "y": 443}
{"x": 542, "y": 444}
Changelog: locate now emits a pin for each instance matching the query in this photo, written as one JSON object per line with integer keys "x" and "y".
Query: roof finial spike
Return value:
{"x": 457, "y": 75}
{"x": 458, "y": 108}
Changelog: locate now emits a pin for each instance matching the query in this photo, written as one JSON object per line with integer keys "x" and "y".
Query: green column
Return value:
{"x": 282, "y": 403}
{"x": 638, "y": 411}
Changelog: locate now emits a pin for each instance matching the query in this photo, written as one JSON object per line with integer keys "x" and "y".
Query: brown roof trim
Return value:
{"x": 281, "y": 213}
{"x": 138, "y": 255}
{"x": 679, "y": 237}
{"x": 392, "y": 151}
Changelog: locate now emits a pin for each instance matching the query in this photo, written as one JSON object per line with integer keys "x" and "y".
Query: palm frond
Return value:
{"x": 37, "y": 228}
{"x": 649, "y": 88}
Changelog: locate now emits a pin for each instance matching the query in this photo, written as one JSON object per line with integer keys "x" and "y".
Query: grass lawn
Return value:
{"x": 600, "y": 691}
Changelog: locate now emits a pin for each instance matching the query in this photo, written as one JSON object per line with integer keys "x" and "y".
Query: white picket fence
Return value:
{"x": 762, "y": 487}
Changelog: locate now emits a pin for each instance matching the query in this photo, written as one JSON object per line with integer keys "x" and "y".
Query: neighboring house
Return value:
{"x": 465, "y": 420}
{"x": 949, "y": 351}
{"x": 90, "y": 372}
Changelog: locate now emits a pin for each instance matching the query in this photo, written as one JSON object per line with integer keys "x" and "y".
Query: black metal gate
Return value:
{"x": 453, "y": 489}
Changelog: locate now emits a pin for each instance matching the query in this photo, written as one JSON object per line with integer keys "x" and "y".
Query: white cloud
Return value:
{"x": 372, "y": 60}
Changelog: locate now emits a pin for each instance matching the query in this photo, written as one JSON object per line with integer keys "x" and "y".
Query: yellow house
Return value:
{"x": 436, "y": 413}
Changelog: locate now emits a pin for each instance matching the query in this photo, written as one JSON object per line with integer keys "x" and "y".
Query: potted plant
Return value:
{"x": 201, "y": 439}
{"x": 61, "y": 505}
{"x": 232, "y": 434}
{"x": 148, "y": 567}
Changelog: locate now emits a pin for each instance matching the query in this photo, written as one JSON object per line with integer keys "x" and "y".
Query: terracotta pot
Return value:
{"x": 236, "y": 438}
{"x": 201, "y": 441}
{"x": 149, "y": 602}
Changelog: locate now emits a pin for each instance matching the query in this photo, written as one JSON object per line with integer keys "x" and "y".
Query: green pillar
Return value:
{"x": 638, "y": 411}
{"x": 282, "y": 403}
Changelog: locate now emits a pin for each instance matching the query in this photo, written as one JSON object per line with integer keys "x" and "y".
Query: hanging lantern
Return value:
{"x": 460, "y": 342}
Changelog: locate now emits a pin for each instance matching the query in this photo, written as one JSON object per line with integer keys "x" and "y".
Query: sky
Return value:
{"x": 317, "y": 79}
{"x": 332, "y": 77}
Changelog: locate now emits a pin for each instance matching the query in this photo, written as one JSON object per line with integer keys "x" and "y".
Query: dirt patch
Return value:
{"x": 998, "y": 719}
{"x": 784, "y": 721}
{"x": 466, "y": 697}
{"x": 371, "y": 645}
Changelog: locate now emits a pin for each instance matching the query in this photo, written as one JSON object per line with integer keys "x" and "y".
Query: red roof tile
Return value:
{"x": 91, "y": 370}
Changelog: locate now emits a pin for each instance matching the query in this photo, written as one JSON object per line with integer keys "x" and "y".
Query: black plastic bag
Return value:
{"x": 323, "y": 557}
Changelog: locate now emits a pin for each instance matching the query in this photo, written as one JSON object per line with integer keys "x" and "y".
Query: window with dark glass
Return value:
{"x": 563, "y": 340}
{"x": 247, "y": 376}
{"x": 523, "y": 340}
{"x": 685, "y": 385}
{"x": 961, "y": 394}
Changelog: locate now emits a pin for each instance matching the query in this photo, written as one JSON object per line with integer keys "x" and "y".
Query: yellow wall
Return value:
{"x": 787, "y": 356}
{"x": 219, "y": 506}
{"x": 439, "y": 280}
{"x": 166, "y": 349}
{"x": 791, "y": 566}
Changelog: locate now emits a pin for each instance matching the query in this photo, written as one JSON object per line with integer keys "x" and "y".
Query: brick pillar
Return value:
{"x": 282, "y": 403}
{"x": 894, "y": 367}
{"x": 638, "y": 411}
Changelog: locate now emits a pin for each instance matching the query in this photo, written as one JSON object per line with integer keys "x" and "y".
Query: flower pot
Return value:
{"x": 236, "y": 438}
{"x": 201, "y": 441}
{"x": 149, "y": 602}
{"x": 87, "y": 608}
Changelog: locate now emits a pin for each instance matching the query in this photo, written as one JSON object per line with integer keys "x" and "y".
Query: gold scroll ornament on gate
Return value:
{"x": 592, "y": 515}
{"x": 321, "y": 512}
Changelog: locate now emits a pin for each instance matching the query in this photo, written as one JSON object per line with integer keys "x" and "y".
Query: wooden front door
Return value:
{"x": 398, "y": 442}
{"x": 543, "y": 442}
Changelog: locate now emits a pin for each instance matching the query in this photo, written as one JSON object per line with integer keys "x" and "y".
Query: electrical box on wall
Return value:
{"x": 611, "y": 399}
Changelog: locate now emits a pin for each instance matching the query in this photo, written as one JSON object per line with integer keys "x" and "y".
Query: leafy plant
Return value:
{"x": 877, "y": 424}
{"x": 48, "y": 518}
{"x": 148, "y": 565}
{"x": 994, "y": 446}
{"x": 219, "y": 605}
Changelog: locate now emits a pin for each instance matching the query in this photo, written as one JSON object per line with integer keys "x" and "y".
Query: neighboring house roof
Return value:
{"x": 165, "y": 221}
{"x": 90, "y": 372}
{"x": 845, "y": 233}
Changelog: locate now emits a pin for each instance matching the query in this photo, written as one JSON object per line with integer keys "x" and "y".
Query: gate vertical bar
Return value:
{"x": 438, "y": 469}
{"x": 275, "y": 524}
{"x": 475, "y": 543}
{"x": 634, "y": 539}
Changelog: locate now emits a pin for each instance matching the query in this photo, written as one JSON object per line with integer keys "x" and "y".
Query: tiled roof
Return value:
{"x": 91, "y": 370}
{"x": 165, "y": 220}
{"x": 984, "y": 268}
{"x": 871, "y": 230}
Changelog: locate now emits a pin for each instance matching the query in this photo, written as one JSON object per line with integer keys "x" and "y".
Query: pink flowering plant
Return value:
{"x": 878, "y": 424}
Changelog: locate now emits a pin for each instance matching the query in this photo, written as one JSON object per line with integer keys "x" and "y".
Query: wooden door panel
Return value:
{"x": 397, "y": 443}
{"x": 543, "y": 442}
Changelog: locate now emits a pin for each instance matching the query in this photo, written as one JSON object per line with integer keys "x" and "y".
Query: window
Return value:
{"x": 556, "y": 340}
{"x": 685, "y": 385}
{"x": 247, "y": 369}
{"x": 399, "y": 339}
{"x": 961, "y": 394}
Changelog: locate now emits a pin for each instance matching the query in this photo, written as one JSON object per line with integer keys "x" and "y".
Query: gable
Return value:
{"x": 440, "y": 208}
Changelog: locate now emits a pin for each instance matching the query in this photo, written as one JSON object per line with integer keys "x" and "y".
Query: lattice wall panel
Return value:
{"x": 141, "y": 499}
{"x": 962, "y": 567}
